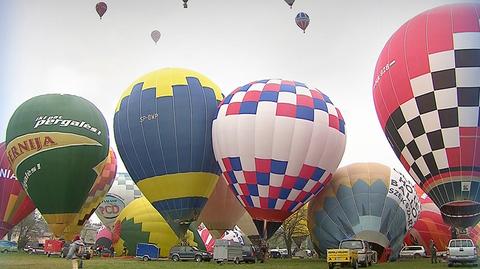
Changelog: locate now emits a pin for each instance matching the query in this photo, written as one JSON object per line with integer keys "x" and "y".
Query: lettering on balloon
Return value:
{"x": 7, "y": 173}
{"x": 28, "y": 173}
{"x": 28, "y": 145}
{"x": 111, "y": 207}
{"x": 382, "y": 72}
{"x": 149, "y": 117}
{"x": 403, "y": 191}
{"x": 58, "y": 120}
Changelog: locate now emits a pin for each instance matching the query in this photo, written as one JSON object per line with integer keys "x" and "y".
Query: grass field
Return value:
{"x": 21, "y": 260}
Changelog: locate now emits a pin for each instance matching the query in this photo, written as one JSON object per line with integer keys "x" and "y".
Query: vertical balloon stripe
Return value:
{"x": 199, "y": 122}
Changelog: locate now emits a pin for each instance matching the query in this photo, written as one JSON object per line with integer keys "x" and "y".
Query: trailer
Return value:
{"x": 53, "y": 247}
{"x": 147, "y": 252}
{"x": 227, "y": 251}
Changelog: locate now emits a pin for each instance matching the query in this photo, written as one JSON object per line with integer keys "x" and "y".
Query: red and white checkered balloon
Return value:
{"x": 426, "y": 91}
{"x": 277, "y": 143}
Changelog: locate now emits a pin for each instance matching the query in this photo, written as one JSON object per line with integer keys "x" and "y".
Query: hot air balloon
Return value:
{"x": 59, "y": 144}
{"x": 155, "y": 36}
{"x": 95, "y": 196}
{"x": 277, "y": 143}
{"x": 122, "y": 192}
{"x": 101, "y": 8}
{"x": 430, "y": 226}
{"x": 139, "y": 222}
{"x": 290, "y": 2}
{"x": 162, "y": 126}
{"x": 15, "y": 204}
{"x": 425, "y": 89}
{"x": 104, "y": 238}
{"x": 368, "y": 201}
{"x": 222, "y": 210}
{"x": 185, "y": 3}
{"x": 302, "y": 20}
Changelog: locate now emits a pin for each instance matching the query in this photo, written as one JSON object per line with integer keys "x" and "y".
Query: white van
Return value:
{"x": 412, "y": 252}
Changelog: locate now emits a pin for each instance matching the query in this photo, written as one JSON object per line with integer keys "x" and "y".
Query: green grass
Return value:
{"x": 21, "y": 260}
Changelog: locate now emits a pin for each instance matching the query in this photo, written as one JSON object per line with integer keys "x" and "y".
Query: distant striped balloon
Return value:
{"x": 278, "y": 143}
{"x": 302, "y": 20}
{"x": 162, "y": 127}
{"x": 15, "y": 204}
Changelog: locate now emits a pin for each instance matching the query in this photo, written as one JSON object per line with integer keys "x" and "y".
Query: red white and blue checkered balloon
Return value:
{"x": 278, "y": 143}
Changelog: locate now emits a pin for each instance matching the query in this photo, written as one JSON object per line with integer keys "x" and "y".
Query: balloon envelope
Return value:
{"x": 59, "y": 144}
{"x": 155, "y": 36}
{"x": 15, "y": 204}
{"x": 162, "y": 127}
{"x": 368, "y": 201}
{"x": 302, "y": 20}
{"x": 140, "y": 222}
{"x": 101, "y": 8}
{"x": 122, "y": 192}
{"x": 104, "y": 238}
{"x": 95, "y": 196}
{"x": 277, "y": 143}
{"x": 222, "y": 210}
{"x": 290, "y": 2}
{"x": 426, "y": 92}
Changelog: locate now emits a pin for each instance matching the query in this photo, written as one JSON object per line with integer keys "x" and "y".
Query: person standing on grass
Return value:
{"x": 75, "y": 252}
{"x": 433, "y": 251}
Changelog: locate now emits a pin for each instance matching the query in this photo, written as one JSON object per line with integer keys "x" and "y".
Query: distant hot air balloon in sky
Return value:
{"x": 222, "y": 211}
{"x": 155, "y": 35}
{"x": 139, "y": 222}
{"x": 368, "y": 201}
{"x": 15, "y": 204}
{"x": 277, "y": 143}
{"x": 302, "y": 20}
{"x": 162, "y": 127}
{"x": 101, "y": 8}
{"x": 59, "y": 145}
{"x": 290, "y": 2}
{"x": 185, "y": 3}
{"x": 95, "y": 196}
{"x": 426, "y": 93}
{"x": 122, "y": 192}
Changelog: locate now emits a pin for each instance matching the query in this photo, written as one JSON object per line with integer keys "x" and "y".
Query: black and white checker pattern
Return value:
{"x": 445, "y": 100}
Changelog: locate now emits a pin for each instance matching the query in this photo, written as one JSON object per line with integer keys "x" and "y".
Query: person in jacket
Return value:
{"x": 433, "y": 251}
{"x": 75, "y": 252}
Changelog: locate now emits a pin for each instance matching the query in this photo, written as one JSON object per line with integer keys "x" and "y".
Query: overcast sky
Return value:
{"x": 61, "y": 46}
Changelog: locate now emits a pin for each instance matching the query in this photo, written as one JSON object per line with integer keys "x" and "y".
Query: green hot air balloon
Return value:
{"x": 57, "y": 145}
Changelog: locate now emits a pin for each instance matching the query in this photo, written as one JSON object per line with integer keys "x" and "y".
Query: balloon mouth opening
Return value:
{"x": 461, "y": 213}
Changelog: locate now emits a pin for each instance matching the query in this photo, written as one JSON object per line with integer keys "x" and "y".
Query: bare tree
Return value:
{"x": 29, "y": 229}
{"x": 293, "y": 227}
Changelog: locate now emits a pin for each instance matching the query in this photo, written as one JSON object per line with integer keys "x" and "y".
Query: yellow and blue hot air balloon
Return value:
{"x": 162, "y": 128}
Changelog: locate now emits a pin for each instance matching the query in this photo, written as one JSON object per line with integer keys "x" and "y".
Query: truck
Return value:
{"x": 147, "y": 252}
{"x": 227, "y": 250}
{"x": 352, "y": 253}
{"x": 461, "y": 251}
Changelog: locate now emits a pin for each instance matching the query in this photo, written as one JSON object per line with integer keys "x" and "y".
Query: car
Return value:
{"x": 185, "y": 253}
{"x": 413, "y": 252}
{"x": 35, "y": 248}
{"x": 8, "y": 246}
{"x": 275, "y": 254}
{"x": 249, "y": 254}
{"x": 461, "y": 251}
